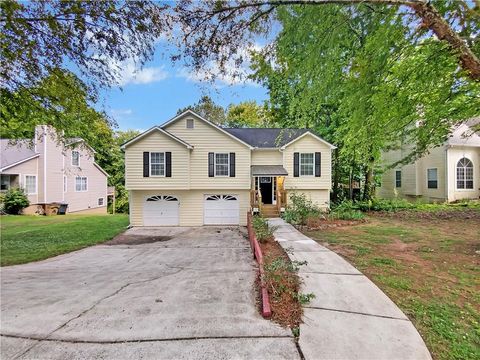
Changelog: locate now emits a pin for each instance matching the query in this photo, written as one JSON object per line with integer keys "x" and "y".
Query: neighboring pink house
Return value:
{"x": 54, "y": 171}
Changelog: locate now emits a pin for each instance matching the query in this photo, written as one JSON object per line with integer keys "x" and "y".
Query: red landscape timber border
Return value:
{"x": 257, "y": 253}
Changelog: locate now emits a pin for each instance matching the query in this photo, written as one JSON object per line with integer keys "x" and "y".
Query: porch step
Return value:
{"x": 270, "y": 211}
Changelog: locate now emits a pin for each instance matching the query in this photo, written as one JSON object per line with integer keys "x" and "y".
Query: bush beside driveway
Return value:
{"x": 31, "y": 238}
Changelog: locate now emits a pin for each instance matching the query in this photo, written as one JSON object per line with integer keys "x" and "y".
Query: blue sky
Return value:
{"x": 153, "y": 95}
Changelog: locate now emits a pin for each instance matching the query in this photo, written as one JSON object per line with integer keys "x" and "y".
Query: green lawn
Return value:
{"x": 428, "y": 265}
{"x": 30, "y": 238}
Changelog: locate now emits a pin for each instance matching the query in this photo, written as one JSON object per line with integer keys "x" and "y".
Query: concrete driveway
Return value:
{"x": 163, "y": 293}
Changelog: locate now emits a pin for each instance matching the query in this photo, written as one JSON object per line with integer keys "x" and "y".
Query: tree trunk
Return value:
{"x": 435, "y": 22}
{"x": 350, "y": 184}
{"x": 369, "y": 188}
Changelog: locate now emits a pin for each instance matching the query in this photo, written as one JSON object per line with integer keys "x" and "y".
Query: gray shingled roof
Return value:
{"x": 268, "y": 170}
{"x": 266, "y": 138}
{"x": 13, "y": 151}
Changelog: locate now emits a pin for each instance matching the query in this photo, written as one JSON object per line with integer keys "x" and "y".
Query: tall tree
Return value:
{"x": 248, "y": 114}
{"x": 220, "y": 31}
{"x": 39, "y": 39}
{"x": 359, "y": 81}
{"x": 208, "y": 109}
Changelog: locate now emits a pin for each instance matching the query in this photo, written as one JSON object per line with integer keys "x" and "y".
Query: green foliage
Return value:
{"x": 14, "y": 201}
{"x": 248, "y": 114}
{"x": 384, "y": 205}
{"x": 281, "y": 277}
{"x": 304, "y": 299}
{"x": 263, "y": 231}
{"x": 299, "y": 209}
{"x": 94, "y": 37}
{"x": 207, "y": 109}
{"x": 362, "y": 80}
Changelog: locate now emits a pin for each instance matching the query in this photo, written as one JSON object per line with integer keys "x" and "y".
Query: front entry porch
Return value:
{"x": 267, "y": 195}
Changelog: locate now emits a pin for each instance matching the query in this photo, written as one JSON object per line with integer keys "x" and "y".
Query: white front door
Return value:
{"x": 160, "y": 210}
{"x": 221, "y": 210}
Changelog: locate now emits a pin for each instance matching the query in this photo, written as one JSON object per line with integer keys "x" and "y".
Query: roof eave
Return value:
{"x": 19, "y": 162}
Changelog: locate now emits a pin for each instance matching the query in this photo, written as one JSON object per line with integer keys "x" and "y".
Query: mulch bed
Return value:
{"x": 319, "y": 223}
{"x": 459, "y": 214}
{"x": 286, "y": 310}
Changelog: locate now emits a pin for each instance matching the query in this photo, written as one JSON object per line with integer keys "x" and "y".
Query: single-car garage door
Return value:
{"x": 221, "y": 210}
{"x": 160, "y": 210}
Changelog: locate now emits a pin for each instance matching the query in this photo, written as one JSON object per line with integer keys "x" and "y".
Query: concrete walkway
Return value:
{"x": 350, "y": 317}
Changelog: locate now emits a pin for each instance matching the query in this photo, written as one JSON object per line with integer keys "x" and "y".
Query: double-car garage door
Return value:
{"x": 164, "y": 210}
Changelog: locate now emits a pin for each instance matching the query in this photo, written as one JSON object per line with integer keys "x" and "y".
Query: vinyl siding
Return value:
{"x": 267, "y": 157}
{"x": 409, "y": 176}
{"x": 319, "y": 197}
{"x": 157, "y": 142}
{"x": 96, "y": 182}
{"x": 454, "y": 155}
{"x": 29, "y": 167}
{"x": 191, "y": 204}
{"x": 436, "y": 159}
{"x": 205, "y": 138}
{"x": 308, "y": 144}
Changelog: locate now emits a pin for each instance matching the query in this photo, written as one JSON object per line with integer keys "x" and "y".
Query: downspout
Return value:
{"x": 446, "y": 175}
{"x": 44, "y": 164}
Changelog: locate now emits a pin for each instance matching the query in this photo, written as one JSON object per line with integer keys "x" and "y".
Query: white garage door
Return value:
{"x": 160, "y": 210}
{"x": 221, "y": 210}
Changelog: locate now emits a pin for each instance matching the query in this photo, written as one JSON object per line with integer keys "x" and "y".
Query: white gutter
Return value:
{"x": 45, "y": 164}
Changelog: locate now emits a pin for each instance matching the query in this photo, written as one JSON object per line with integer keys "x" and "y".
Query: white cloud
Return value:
{"x": 121, "y": 112}
{"x": 128, "y": 73}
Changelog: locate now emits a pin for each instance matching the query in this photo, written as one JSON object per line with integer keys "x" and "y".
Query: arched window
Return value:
{"x": 464, "y": 174}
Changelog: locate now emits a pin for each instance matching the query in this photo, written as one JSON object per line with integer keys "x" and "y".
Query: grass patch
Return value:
{"x": 427, "y": 265}
{"x": 32, "y": 238}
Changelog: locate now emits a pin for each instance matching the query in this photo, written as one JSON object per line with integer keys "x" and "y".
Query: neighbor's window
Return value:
{"x": 432, "y": 178}
{"x": 5, "y": 182}
{"x": 222, "y": 164}
{"x": 398, "y": 178}
{"x": 307, "y": 164}
{"x": 190, "y": 124}
{"x": 81, "y": 183}
{"x": 157, "y": 164}
{"x": 30, "y": 184}
{"x": 464, "y": 174}
{"x": 64, "y": 184}
{"x": 75, "y": 158}
{"x": 100, "y": 201}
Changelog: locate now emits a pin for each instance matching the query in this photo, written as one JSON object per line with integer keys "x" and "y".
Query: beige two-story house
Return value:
{"x": 191, "y": 172}
{"x": 54, "y": 170}
{"x": 449, "y": 172}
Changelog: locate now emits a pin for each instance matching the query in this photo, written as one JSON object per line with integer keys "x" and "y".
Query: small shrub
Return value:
{"x": 300, "y": 209}
{"x": 14, "y": 201}
{"x": 263, "y": 231}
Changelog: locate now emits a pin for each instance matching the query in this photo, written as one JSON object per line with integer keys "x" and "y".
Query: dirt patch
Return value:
{"x": 283, "y": 285}
{"x": 460, "y": 214}
{"x": 317, "y": 223}
{"x": 136, "y": 239}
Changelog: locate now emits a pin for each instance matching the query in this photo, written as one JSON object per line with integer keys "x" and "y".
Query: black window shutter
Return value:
{"x": 168, "y": 164}
{"x": 296, "y": 161}
{"x": 146, "y": 164}
{"x": 317, "y": 164}
{"x": 211, "y": 164}
{"x": 232, "y": 164}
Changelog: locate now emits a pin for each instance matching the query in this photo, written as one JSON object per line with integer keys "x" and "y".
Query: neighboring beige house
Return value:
{"x": 53, "y": 171}
{"x": 191, "y": 172}
{"x": 449, "y": 172}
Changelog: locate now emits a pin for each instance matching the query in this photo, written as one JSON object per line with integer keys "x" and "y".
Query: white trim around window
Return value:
{"x": 77, "y": 158}
{"x": 398, "y": 179}
{"x": 432, "y": 177}
{"x": 464, "y": 175}
{"x": 304, "y": 164}
{"x": 222, "y": 164}
{"x": 160, "y": 164}
{"x": 81, "y": 186}
{"x": 25, "y": 184}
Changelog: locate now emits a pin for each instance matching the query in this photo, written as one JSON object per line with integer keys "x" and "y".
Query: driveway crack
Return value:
{"x": 46, "y": 338}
